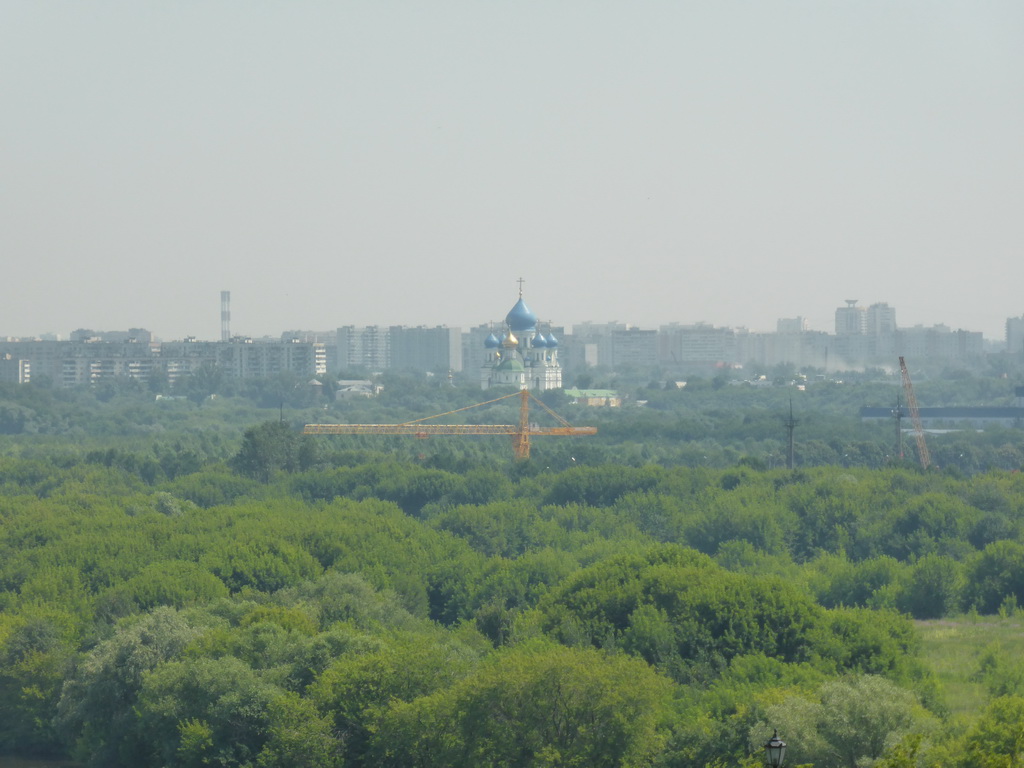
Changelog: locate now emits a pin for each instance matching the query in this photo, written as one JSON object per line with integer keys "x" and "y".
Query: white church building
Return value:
{"x": 523, "y": 357}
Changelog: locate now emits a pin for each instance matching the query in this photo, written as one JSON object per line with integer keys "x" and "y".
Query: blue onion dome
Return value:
{"x": 538, "y": 341}
{"x": 521, "y": 318}
{"x": 510, "y": 341}
{"x": 552, "y": 341}
{"x": 491, "y": 342}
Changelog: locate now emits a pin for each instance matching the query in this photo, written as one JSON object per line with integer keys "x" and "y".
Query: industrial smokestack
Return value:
{"x": 225, "y": 315}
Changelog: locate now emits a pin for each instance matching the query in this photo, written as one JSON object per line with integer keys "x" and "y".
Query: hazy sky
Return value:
{"x": 335, "y": 163}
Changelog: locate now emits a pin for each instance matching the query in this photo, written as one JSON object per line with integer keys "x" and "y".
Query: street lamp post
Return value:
{"x": 774, "y": 751}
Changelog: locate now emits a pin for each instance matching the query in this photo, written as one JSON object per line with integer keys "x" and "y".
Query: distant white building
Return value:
{"x": 851, "y": 320}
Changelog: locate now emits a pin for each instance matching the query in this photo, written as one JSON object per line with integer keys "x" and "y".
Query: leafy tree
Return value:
{"x": 176, "y": 583}
{"x": 934, "y": 588}
{"x": 403, "y": 666}
{"x": 997, "y": 739}
{"x": 847, "y": 724}
{"x": 269, "y": 448}
{"x": 264, "y": 565}
{"x": 96, "y": 714}
{"x": 219, "y": 712}
{"x": 36, "y": 653}
{"x": 995, "y": 573}
{"x": 535, "y": 705}
{"x": 669, "y": 602}
{"x": 201, "y": 383}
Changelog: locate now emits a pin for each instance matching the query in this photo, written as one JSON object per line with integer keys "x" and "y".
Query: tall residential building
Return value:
{"x": 1015, "y": 335}
{"x": 634, "y": 348}
{"x": 593, "y": 341}
{"x": 794, "y": 343}
{"x": 880, "y": 320}
{"x": 366, "y": 347}
{"x": 792, "y": 325}
{"x": 426, "y": 349}
{"x": 699, "y": 345}
{"x": 15, "y": 371}
{"x": 851, "y": 320}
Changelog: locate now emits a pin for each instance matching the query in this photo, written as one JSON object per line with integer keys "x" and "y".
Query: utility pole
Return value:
{"x": 790, "y": 424}
{"x": 897, "y": 415}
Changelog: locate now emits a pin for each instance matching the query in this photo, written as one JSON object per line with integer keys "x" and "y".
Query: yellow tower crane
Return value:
{"x": 520, "y": 433}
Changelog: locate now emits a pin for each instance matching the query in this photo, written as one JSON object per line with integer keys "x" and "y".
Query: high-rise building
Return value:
{"x": 15, "y": 371}
{"x": 426, "y": 349}
{"x": 880, "y": 320}
{"x": 366, "y": 347}
{"x": 1015, "y": 335}
{"x": 700, "y": 345}
{"x": 851, "y": 320}
{"x": 225, "y": 315}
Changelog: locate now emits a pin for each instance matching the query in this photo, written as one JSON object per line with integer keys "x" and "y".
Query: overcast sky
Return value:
{"x": 336, "y": 163}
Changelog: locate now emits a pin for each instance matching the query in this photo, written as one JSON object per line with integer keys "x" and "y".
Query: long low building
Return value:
{"x": 73, "y": 363}
{"x": 954, "y": 416}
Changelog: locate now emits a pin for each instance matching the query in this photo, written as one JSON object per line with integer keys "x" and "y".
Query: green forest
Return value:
{"x": 187, "y": 580}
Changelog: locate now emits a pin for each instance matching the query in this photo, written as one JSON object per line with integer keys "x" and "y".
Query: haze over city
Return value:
{"x": 386, "y": 163}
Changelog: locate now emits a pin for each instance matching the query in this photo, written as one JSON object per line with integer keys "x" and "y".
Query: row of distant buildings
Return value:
{"x": 864, "y": 336}
{"x": 73, "y": 362}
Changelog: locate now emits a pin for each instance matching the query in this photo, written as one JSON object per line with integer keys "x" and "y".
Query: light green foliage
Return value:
{"x": 906, "y": 754}
{"x": 264, "y": 565}
{"x": 600, "y": 486}
{"x": 846, "y": 724}
{"x": 997, "y": 739}
{"x": 876, "y": 642}
{"x": 536, "y": 705}
{"x": 676, "y": 608}
{"x": 176, "y": 583}
{"x": 747, "y": 511}
{"x": 714, "y": 722}
{"x": 509, "y": 587}
{"x": 661, "y": 516}
{"x": 507, "y": 529}
{"x": 868, "y": 583}
{"x": 346, "y": 597}
{"x": 1001, "y": 671}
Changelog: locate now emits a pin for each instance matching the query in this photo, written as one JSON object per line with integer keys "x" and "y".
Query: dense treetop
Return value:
{"x": 189, "y": 582}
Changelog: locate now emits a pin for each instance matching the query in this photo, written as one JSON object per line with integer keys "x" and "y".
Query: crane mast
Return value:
{"x": 915, "y": 416}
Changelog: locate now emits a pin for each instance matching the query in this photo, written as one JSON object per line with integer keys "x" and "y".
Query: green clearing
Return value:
{"x": 955, "y": 649}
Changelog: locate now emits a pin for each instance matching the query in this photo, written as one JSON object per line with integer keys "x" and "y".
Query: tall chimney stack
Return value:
{"x": 225, "y": 315}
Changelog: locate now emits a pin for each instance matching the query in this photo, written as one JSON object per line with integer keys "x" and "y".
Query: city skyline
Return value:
{"x": 789, "y": 324}
{"x": 381, "y": 164}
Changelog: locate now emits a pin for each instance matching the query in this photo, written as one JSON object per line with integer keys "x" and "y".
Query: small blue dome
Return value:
{"x": 538, "y": 341}
{"x": 552, "y": 341}
{"x": 521, "y": 318}
{"x": 492, "y": 342}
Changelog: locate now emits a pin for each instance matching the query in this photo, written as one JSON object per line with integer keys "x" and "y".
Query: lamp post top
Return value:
{"x": 774, "y": 751}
